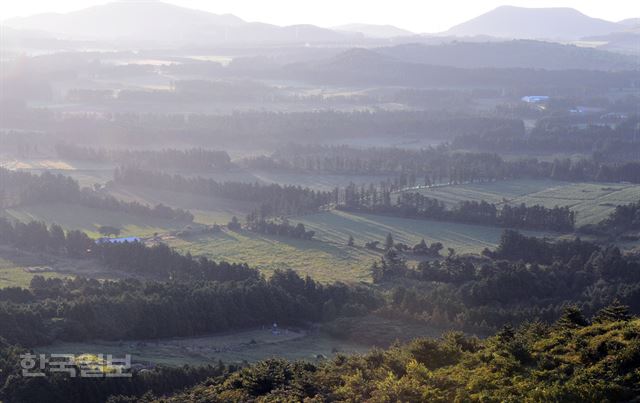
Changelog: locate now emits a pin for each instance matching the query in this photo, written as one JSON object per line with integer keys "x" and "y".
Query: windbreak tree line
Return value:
{"x": 23, "y": 188}
{"x": 609, "y": 161}
{"x": 191, "y": 159}
{"x": 415, "y": 205}
{"x": 271, "y": 200}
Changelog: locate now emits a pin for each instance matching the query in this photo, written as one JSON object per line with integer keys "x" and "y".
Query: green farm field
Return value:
{"x": 18, "y": 267}
{"x": 71, "y": 216}
{"x": 327, "y": 257}
{"x": 592, "y": 202}
{"x": 14, "y": 274}
{"x": 86, "y": 173}
{"x": 206, "y": 210}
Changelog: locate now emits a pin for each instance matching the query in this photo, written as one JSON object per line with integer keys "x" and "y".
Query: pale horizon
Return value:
{"x": 412, "y": 15}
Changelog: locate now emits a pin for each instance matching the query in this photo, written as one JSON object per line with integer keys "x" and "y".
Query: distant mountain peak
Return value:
{"x": 156, "y": 21}
{"x": 534, "y": 23}
{"x": 139, "y": 19}
{"x": 630, "y": 22}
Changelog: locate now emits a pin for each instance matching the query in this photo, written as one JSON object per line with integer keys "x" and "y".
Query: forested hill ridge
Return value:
{"x": 365, "y": 67}
{"x": 510, "y": 54}
{"x": 573, "y": 360}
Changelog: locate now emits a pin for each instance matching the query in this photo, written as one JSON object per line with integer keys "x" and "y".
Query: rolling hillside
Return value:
{"x": 534, "y": 23}
{"x": 164, "y": 23}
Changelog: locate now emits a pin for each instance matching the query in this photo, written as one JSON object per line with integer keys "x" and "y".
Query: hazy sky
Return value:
{"x": 415, "y": 15}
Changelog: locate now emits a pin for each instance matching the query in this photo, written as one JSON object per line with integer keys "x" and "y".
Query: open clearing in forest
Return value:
{"x": 234, "y": 347}
{"x": 343, "y": 335}
{"x": 592, "y": 202}
{"x": 18, "y": 267}
{"x": 13, "y": 274}
{"x": 85, "y": 172}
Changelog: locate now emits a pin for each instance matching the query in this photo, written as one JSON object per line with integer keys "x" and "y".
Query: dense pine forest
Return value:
{"x": 573, "y": 359}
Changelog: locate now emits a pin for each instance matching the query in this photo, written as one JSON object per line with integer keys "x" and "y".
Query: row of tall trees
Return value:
{"x": 416, "y": 205}
{"x": 271, "y": 200}
{"x": 23, "y": 188}
{"x": 189, "y": 159}
{"x": 444, "y": 165}
{"x": 433, "y": 163}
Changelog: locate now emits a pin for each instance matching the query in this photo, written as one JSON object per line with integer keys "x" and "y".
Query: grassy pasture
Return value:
{"x": 85, "y": 172}
{"x": 250, "y": 345}
{"x": 327, "y": 257}
{"x": 493, "y": 192}
{"x": 206, "y": 210}
{"x": 87, "y": 219}
{"x": 591, "y": 201}
{"x": 17, "y": 268}
{"x": 336, "y": 226}
{"x": 19, "y": 277}
{"x": 15, "y": 274}
{"x": 322, "y": 260}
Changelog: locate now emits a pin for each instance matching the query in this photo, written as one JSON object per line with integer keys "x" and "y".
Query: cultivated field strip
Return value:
{"x": 592, "y": 202}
